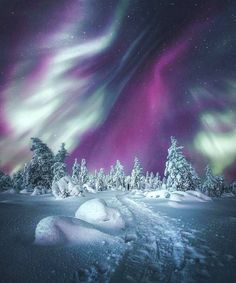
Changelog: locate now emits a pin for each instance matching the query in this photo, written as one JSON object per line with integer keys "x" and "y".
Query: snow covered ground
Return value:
{"x": 118, "y": 237}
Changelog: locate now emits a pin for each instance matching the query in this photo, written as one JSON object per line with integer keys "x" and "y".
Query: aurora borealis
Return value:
{"x": 114, "y": 79}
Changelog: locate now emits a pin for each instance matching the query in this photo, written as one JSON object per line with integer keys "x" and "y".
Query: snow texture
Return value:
{"x": 159, "y": 243}
{"x": 97, "y": 212}
{"x": 178, "y": 196}
{"x": 61, "y": 230}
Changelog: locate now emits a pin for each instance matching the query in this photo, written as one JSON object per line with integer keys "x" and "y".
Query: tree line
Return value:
{"x": 47, "y": 173}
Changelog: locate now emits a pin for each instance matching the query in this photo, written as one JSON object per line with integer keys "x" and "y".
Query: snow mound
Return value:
{"x": 24, "y": 191}
{"x": 96, "y": 211}
{"x": 228, "y": 195}
{"x": 189, "y": 196}
{"x": 89, "y": 189}
{"x": 178, "y": 196}
{"x": 157, "y": 194}
{"x": 61, "y": 230}
{"x": 10, "y": 191}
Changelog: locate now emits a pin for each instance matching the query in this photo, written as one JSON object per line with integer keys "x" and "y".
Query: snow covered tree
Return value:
{"x": 84, "y": 174}
{"x": 39, "y": 170}
{"x": 152, "y": 182}
{"x": 233, "y": 187}
{"x": 136, "y": 175}
{"x": 17, "y": 180}
{"x": 157, "y": 183}
{"x": 59, "y": 171}
{"x": 59, "y": 167}
{"x": 76, "y": 172}
{"x": 25, "y": 175}
{"x": 179, "y": 174}
{"x": 61, "y": 154}
{"x": 5, "y": 181}
{"x": 213, "y": 186}
{"x": 119, "y": 175}
{"x": 110, "y": 178}
{"x": 127, "y": 183}
{"x": 100, "y": 183}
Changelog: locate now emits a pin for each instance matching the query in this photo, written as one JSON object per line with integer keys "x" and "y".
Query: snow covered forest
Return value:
{"x": 47, "y": 172}
{"x": 114, "y": 227}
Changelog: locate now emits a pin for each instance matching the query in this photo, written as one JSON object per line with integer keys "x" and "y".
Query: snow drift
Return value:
{"x": 62, "y": 230}
{"x": 96, "y": 211}
{"x": 178, "y": 196}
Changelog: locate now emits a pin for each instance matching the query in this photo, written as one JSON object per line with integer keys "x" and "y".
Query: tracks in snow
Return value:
{"x": 156, "y": 249}
{"x": 158, "y": 254}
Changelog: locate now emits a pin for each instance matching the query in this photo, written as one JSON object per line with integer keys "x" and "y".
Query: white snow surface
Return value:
{"x": 61, "y": 230}
{"x": 96, "y": 211}
{"x": 178, "y": 196}
{"x": 159, "y": 243}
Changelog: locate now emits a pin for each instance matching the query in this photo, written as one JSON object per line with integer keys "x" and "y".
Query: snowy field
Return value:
{"x": 118, "y": 237}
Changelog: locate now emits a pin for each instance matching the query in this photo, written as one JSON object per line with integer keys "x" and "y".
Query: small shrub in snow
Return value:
{"x": 65, "y": 187}
{"x": 36, "y": 192}
{"x": 24, "y": 191}
{"x": 39, "y": 190}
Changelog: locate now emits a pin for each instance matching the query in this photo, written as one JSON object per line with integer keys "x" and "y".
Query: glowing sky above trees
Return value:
{"x": 115, "y": 79}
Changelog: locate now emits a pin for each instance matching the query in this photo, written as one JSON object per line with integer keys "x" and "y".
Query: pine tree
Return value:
{"x": 25, "y": 176}
{"x": 76, "y": 172}
{"x": 61, "y": 154}
{"x": 17, "y": 180}
{"x": 128, "y": 183}
{"x": 101, "y": 180}
{"x": 5, "y": 181}
{"x": 59, "y": 167}
{"x": 111, "y": 178}
{"x": 119, "y": 175}
{"x": 179, "y": 174}
{"x": 84, "y": 175}
{"x": 136, "y": 175}
{"x": 147, "y": 182}
{"x": 212, "y": 185}
{"x": 59, "y": 171}
{"x": 39, "y": 170}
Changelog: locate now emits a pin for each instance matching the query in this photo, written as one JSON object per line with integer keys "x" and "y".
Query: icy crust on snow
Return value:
{"x": 96, "y": 211}
{"x": 62, "y": 230}
{"x": 179, "y": 196}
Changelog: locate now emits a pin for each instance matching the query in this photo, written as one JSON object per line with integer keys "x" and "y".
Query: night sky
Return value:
{"x": 115, "y": 79}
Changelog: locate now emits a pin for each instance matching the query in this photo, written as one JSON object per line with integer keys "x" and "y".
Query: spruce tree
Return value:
{"x": 101, "y": 181}
{"x": 212, "y": 185}
{"x": 76, "y": 172}
{"x": 17, "y": 180}
{"x": 59, "y": 171}
{"x": 5, "y": 181}
{"x": 111, "y": 178}
{"x": 179, "y": 174}
{"x": 39, "y": 170}
{"x": 119, "y": 175}
{"x": 84, "y": 174}
{"x": 61, "y": 154}
{"x": 59, "y": 166}
{"x": 136, "y": 175}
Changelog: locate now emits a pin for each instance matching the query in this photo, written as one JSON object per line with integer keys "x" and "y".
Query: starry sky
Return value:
{"x": 114, "y": 79}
